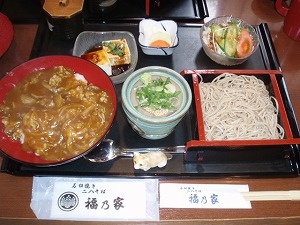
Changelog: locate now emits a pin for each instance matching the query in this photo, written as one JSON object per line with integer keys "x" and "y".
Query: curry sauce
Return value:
{"x": 55, "y": 114}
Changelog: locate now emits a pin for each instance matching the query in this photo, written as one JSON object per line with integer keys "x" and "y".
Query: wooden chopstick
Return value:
{"x": 292, "y": 195}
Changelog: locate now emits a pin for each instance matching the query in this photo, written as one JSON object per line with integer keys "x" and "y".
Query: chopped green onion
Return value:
{"x": 157, "y": 94}
{"x": 116, "y": 48}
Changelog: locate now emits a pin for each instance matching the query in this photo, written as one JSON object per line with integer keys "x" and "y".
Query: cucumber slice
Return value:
{"x": 219, "y": 34}
{"x": 231, "y": 40}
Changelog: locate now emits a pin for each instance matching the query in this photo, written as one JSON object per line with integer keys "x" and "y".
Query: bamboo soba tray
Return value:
{"x": 202, "y": 150}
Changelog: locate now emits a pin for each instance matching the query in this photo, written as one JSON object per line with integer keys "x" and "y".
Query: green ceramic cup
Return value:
{"x": 155, "y": 127}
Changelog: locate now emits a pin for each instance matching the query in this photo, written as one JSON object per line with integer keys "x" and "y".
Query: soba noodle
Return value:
{"x": 239, "y": 107}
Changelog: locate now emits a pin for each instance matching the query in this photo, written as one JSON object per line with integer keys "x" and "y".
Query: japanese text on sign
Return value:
{"x": 101, "y": 199}
{"x": 202, "y": 196}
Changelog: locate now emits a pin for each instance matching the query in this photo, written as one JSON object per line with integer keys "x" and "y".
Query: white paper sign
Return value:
{"x": 95, "y": 199}
{"x": 175, "y": 195}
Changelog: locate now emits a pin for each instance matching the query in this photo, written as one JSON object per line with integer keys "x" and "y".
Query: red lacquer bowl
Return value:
{"x": 6, "y": 33}
{"x": 92, "y": 73}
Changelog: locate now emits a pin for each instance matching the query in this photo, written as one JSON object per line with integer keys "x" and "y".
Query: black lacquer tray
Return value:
{"x": 188, "y": 55}
{"x": 24, "y": 11}
{"x": 135, "y": 10}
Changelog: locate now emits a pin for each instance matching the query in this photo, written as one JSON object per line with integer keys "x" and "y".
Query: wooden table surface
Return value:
{"x": 15, "y": 192}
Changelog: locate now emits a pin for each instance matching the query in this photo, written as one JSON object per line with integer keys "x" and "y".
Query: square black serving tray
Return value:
{"x": 188, "y": 55}
{"x": 24, "y": 11}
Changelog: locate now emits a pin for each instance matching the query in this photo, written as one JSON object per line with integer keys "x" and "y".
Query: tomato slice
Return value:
{"x": 245, "y": 44}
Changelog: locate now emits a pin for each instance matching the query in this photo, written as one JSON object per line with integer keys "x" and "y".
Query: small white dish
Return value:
{"x": 87, "y": 40}
{"x": 148, "y": 27}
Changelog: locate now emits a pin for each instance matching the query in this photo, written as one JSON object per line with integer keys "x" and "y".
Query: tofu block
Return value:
{"x": 117, "y": 51}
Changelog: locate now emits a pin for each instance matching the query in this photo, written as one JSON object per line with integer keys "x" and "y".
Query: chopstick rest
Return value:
{"x": 292, "y": 195}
